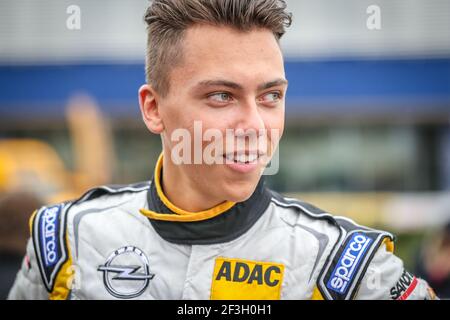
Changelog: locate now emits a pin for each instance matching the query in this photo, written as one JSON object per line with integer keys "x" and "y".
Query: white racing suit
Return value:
{"x": 131, "y": 242}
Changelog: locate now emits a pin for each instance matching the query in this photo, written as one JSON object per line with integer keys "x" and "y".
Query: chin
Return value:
{"x": 240, "y": 192}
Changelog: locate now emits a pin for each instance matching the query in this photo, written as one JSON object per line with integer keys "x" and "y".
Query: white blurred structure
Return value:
{"x": 33, "y": 31}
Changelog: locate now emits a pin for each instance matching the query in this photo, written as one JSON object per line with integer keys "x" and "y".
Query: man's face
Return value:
{"x": 228, "y": 80}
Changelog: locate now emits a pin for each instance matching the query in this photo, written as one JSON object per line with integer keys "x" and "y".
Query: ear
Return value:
{"x": 148, "y": 102}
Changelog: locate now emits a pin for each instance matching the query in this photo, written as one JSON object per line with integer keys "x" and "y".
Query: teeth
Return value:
{"x": 230, "y": 157}
{"x": 242, "y": 158}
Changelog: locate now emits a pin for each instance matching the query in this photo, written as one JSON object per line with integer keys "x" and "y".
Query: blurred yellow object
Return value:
{"x": 33, "y": 165}
{"x": 29, "y": 164}
{"x": 93, "y": 147}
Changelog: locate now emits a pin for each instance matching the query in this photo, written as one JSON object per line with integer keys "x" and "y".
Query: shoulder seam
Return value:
{"x": 110, "y": 190}
{"x": 298, "y": 204}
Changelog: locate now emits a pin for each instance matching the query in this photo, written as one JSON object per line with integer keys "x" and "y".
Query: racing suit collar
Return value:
{"x": 219, "y": 224}
{"x": 176, "y": 213}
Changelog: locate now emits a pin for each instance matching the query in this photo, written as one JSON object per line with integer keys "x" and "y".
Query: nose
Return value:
{"x": 249, "y": 129}
{"x": 249, "y": 118}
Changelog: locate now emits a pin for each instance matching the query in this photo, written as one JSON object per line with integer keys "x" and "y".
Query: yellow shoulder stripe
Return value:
{"x": 30, "y": 222}
{"x": 389, "y": 244}
{"x": 64, "y": 278}
{"x": 316, "y": 294}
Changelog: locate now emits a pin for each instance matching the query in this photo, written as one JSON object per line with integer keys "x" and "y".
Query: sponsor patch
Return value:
{"x": 49, "y": 226}
{"x": 238, "y": 279}
{"x": 48, "y": 239}
{"x": 126, "y": 272}
{"x": 404, "y": 286}
{"x": 341, "y": 275}
{"x": 348, "y": 263}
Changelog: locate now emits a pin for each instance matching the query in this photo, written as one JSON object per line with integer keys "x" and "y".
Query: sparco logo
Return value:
{"x": 126, "y": 273}
{"x": 347, "y": 265}
{"x": 49, "y": 238}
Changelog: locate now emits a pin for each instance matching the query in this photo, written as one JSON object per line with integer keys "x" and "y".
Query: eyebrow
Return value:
{"x": 274, "y": 83}
{"x": 237, "y": 86}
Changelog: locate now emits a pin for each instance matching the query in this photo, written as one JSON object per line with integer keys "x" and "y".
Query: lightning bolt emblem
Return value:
{"x": 126, "y": 272}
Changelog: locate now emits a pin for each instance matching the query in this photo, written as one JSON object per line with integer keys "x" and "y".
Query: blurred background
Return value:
{"x": 368, "y": 115}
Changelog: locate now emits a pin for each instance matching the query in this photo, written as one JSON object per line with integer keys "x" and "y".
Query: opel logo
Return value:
{"x": 126, "y": 273}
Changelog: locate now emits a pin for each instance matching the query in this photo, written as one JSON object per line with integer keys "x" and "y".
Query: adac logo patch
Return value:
{"x": 348, "y": 263}
{"x": 244, "y": 279}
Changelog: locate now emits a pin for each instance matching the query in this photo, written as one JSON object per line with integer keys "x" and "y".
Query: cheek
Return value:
{"x": 274, "y": 121}
{"x": 184, "y": 113}
{"x": 217, "y": 121}
{"x": 175, "y": 117}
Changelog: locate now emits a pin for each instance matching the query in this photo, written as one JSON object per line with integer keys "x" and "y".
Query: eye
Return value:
{"x": 220, "y": 97}
{"x": 274, "y": 96}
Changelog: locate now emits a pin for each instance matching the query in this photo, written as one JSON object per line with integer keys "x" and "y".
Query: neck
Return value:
{"x": 182, "y": 192}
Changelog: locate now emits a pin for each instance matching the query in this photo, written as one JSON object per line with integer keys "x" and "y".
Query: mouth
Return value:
{"x": 243, "y": 162}
{"x": 244, "y": 157}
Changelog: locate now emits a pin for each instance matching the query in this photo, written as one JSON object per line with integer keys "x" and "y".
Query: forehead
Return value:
{"x": 217, "y": 51}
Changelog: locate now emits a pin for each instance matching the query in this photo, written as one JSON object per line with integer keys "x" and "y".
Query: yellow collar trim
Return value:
{"x": 180, "y": 214}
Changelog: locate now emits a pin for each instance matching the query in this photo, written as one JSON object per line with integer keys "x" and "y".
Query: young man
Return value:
{"x": 209, "y": 228}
